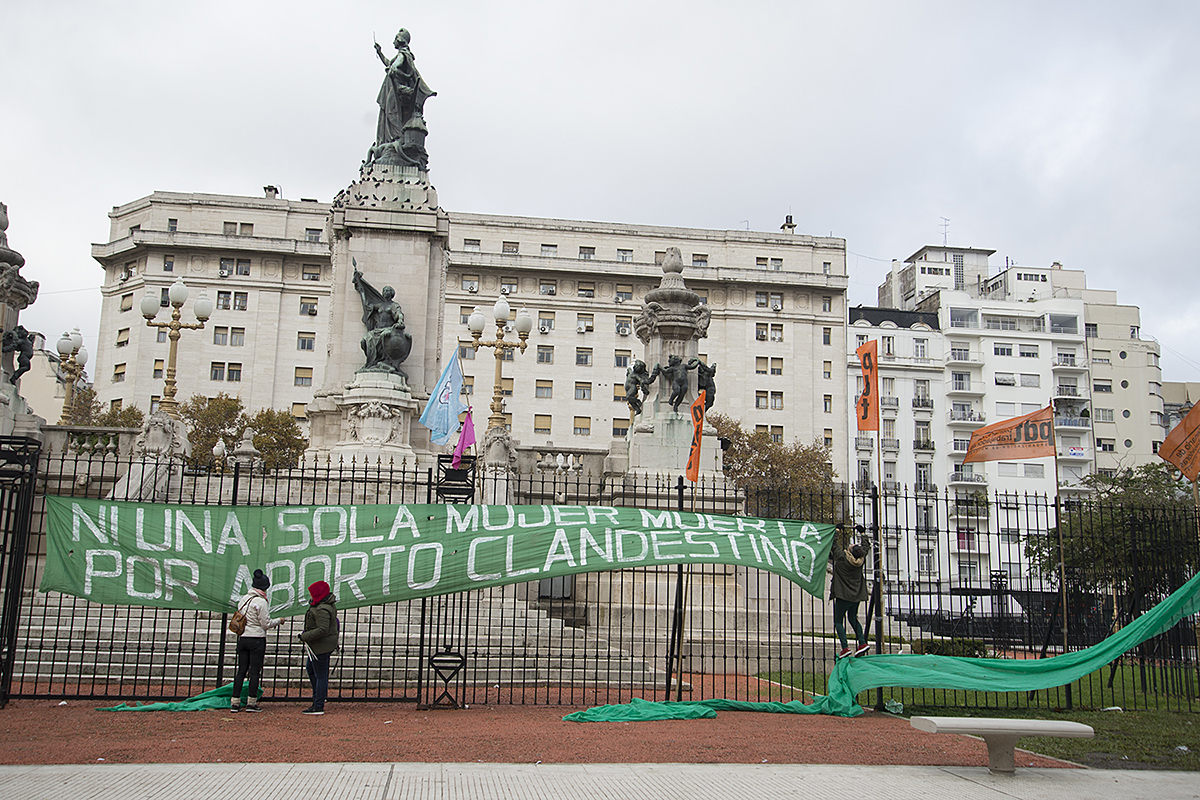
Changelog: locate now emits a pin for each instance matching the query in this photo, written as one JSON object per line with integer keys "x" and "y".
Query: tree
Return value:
{"x": 123, "y": 417}
{"x": 780, "y": 480}
{"x": 210, "y": 418}
{"x": 87, "y": 411}
{"x": 277, "y": 436}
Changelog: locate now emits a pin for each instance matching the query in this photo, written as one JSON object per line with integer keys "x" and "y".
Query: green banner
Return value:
{"x": 202, "y": 557}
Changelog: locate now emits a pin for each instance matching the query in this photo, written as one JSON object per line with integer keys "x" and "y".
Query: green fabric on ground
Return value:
{"x": 638, "y": 710}
{"x": 851, "y": 676}
{"x": 214, "y": 698}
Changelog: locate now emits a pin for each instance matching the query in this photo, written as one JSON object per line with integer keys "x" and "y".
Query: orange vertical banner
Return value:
{"x": 1181, "y": 448}
{"x": 867, "y": 405}
{"x": 693, "y": 464}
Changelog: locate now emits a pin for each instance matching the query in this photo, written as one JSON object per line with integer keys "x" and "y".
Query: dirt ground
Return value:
{"x": 74, "y": 732}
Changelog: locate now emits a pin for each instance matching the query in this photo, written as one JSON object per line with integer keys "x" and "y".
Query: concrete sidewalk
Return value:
{"x": 580, "y": 781}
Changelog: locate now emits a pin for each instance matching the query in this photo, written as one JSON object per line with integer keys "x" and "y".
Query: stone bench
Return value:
{"x": 1001, "y": 734}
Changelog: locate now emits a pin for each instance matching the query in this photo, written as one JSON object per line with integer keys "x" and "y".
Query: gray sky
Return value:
{"x": 1046, "y": 131}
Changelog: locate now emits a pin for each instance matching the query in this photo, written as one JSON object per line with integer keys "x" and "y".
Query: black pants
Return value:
{"x": 251, "y": 652}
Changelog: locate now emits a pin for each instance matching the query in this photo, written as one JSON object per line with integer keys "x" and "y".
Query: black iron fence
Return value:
{"x": 962, "y": 574}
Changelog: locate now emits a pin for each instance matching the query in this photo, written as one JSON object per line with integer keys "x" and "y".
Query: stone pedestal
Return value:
{"x": 664, "y": 444}
{"x": 389, "y": 226}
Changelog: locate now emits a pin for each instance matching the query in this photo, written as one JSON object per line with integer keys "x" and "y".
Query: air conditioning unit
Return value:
{"x": 312, "y": 311}
{"x": 472, "y": 289}
{"x": 618, "y": 299}
{"x": 622, "y": 331}
{"x": 544, "y": 329}
{"x": 124, "y": 277}
{"x": 508, "y": 328}
{"x": 503, "y": 290}
{"x": 550, "y": 290}
{"x": 777, "y": 307}
{"x": 582, "y": 329}
{"x": 224, "y": 273}
{"x": 762, "y": 337}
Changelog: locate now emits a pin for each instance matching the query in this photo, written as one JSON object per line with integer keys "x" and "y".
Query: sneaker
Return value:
{"x": 314, "y": 711}
{"x": 234, "y": 708}
{"x": 253, "y": 708}
{"x": 846, "y": 651}
{"x": 862, "y": 650}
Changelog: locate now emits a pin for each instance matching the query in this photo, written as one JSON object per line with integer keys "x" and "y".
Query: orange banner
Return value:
{"x": 867, "y": 405}
{"x": 1030, "y": 436}
{"x": 1182, "y": 445}
{"x": 693, "y": 465}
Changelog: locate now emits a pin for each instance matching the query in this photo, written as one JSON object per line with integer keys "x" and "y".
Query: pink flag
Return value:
{"x": 465, "y": 439}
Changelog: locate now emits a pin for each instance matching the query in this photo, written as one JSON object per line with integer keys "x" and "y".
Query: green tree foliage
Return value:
{"x": 780, "y": 480}
{"x": 278, "y": 437}
{"x": 276, "y": 433}
{"x": 1136, "y": 535}
{"x": 123, "y": 417}
{"x": 87, "y": 411}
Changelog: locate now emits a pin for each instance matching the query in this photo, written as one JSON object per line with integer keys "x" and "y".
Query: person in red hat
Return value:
{"x": 320, "y": 637}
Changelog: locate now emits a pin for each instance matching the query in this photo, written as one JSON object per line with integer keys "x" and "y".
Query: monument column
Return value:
{"x": 16, "y": 294}
{"x": 389, "y": 240}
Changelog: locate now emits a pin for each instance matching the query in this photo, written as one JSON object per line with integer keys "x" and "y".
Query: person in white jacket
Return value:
{"x": 252, "y": 644}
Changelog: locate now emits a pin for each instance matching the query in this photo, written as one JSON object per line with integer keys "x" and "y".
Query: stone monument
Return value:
{"x": 16, "y": 294}
{"x": 670, "y": 325}
{"x": 386, "y": 229}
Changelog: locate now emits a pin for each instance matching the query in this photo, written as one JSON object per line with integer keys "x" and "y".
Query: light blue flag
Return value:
{"x": 444, "y": 406}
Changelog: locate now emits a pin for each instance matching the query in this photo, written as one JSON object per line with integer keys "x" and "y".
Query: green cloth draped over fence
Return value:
{"x": 851, "y": 676}
{"x": 200, "y": 558}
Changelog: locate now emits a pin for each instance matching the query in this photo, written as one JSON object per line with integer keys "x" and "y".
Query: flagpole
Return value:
{"x": 1062, "y": 553}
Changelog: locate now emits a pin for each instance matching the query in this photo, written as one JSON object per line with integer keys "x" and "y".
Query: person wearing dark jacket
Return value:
{"x": 320, "y": 637}
{"x": 849, "y": 585}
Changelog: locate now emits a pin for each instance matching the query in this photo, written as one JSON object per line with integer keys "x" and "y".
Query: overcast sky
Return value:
{"x": 1047, "y": 131}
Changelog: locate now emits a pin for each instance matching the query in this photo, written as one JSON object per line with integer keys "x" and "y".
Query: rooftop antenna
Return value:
{"x": 945, "y": 229}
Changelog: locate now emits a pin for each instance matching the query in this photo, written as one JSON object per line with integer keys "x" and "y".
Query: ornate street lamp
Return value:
{"x": 177, "y": 295}
{"x": 72, "y": 358}
{"x": 523, "y": 324}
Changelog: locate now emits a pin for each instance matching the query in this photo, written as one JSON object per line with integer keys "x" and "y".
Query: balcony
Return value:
{"x": 1067, "y": 362}
{"x": 922, "y": 403}
{"x": 891, "y": 486}
{"x": 963, "y": 357}
{"x": 925, "y": 445}
{"x": 925, "y": 486}
{"x": 965, "y": 387}
{"x": 1077, "y": 453}
{"x": 968, "y": 508}
{"x": 969, "y": 417}
{"x": 889, "y": 402}
{"x": 969, "y": 542}
{"x": 1068, "y": 390}
{"x": 967, "y": 478}
{"x": 889, "y": 444}
{"x": 864, "y": 442}
{"x": 1072, "y": 422}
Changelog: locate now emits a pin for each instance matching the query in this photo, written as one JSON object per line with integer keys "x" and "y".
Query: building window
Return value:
{"x": 703, "y": 295}
{"x": 760, "y": 365}
{"x": 620, "y": 428}
{"x": 312, "y": 234}
{"x": 243, "y": 266}
{"x": 826, "y": 336}
{"x": 583, "y": 426}
{"x": 777, "y": 301}
{"x": 506, "y": 387}
{"x": 307, "y": 340}
{"x": 126, "y": 302}
{"x": 310, "y": 272}
{"x": 541, "y": 424}
{"x": 246, "y": 229}
{"x": 587, "y": 289}
{"x": 587, "y": 253}
{"x": 510, "y": 248}
{"x": 584, "y": 322}
{"x": 464, "y": 314}
{"x": 468, "y": 385}
{"x": 548, "y": 287}
{"x": 760, "y": 399}
{"x": 1104, "y": 415}
{"x": 1102, "y": 387}
{"x": 583, "y": 356}
{"x": 1002, "y": 348}
{"x": 583, "y": 391}
{"x": 471, "y": 245}
{"x": 827, "y": 267}
{"x": 699, "y": 260}
{"x": 155, "y": 402}
{"x": 466, "y": 352}
{"x": 544, "y": 389}
{"x": 828, "y": 438}
{"x": 308, "y": 306}
{"x": 240, "y": 300}
{"x": 158, "y": 368}
{"x": 545, "y": 354}
{"x": 1031, "y": 381}
{"x": 827, "y": 303}
{"x": 162, "y": 335}
{"x": 220, "y": 335}
{"x": 1006, "y": 379}
{"x": 298, "y": 411}
{"x": 827, "y": 370}
{"x": 123, "y": 337}
{"x": 1027, "y": 350}
{"x": 172, "y": 225}
{"x": 508, "y": 286}
{"x": 550, "y": 250}
{"x": 621, "y": 358}
{"x": 233, "y": 372}
{"x": 470, "y": 283}
{"x": 237, "y": 337}
{"x": 546, "y": 320}
{"x": 760, "y": 300}
{"x": 625, "y": 291}
{"x": 776, "y": 333}
{"x": 624, "y": 255}
{"x": 168, "y": 263}
{"x": 304, "y": 376}
{"x": 619, "y": 392}
{"x": 777, "y": 434}
{"x": 760, "y": 331}
{"x": 777, "y": 401}
{"x": 229, "y": 228}
{"x": 624, "y": 326}
{"x": 659, "y": 257}
{"x": 889, "y": 345}
{"x": 223, "y": 300}
{"x": 776, "y": 366}
{"x": 828, "y": 401}
{"x": 216, "y": 371}
{"x": 920, "y": 348}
